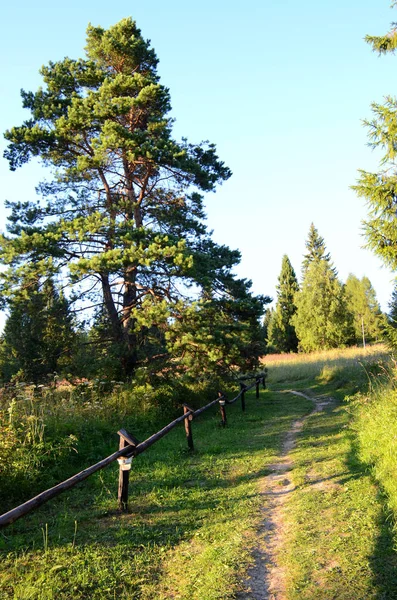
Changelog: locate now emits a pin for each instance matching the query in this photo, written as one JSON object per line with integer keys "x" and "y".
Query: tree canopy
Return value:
{"x": 122, "y": 219}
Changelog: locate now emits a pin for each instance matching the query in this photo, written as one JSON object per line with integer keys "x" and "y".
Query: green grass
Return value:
{"x": 340, "y": 541}
{"x": 191, "y": 516}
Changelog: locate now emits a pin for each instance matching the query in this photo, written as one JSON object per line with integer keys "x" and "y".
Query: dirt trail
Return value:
{"x": 266, "y": 579}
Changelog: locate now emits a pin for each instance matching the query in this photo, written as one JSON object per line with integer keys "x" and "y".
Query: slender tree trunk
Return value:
{"x": 111, "y": 309}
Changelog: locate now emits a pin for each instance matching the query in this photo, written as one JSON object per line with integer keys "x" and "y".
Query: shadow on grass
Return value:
{"x": 383, "y": 560}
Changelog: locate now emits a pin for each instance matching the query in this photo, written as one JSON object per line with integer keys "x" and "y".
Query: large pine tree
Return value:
{"x": 281, "y": 332}
{"x": 122, "y": 218}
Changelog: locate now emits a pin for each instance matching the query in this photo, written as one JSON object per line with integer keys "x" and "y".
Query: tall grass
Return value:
{"x": 375, "y": 425}
{"x": 345, "y": 368}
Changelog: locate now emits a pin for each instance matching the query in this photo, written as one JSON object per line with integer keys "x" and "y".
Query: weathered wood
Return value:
{"x": 257, "y": 387}
{"x": 222, "y": 403}
{"x": 26, "y": 507}
{"x": 129, "y": 447}
{"x": 124, "y": 477}
{"x": 128, "y": 437}
{"x": 243, "y": 388}
{"x": 188, "y": 426}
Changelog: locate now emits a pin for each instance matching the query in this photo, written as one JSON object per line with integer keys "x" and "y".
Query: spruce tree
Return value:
{"x": 392, "y": 315}
{"x": 321, "y": 320}
{"x": 316, "y": 249}
{"x": 281, "y": 332}
{"x": 38, "y": 337}
{"x": 380, "y": 189}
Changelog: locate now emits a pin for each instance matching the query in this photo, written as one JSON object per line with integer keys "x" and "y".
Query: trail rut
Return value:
{"x": 266, "y": 579}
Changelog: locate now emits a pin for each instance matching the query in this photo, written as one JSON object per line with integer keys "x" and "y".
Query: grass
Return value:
{"x": 190, "y": 525}
{"x": 193, "y": 516}
{"x": 340, "y": 541}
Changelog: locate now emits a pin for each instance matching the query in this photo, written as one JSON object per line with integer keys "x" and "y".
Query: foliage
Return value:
{"x": 316, "y": 250}
{"x": 364, "y": 307}
{"x": 122, "y": 219}
{"x": 392, "y": 315}
{"x": 380, "y": 189}
{"x": 281, "y": 332}
{"x": 38, "y": 337}
{"x": 322, "y": 320}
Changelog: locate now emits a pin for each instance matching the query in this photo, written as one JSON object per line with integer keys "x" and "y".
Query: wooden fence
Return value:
{"x": 130, "y": 447}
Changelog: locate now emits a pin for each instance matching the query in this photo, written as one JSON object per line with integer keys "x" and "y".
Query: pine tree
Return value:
{"x": 281, "y": 332}
{"x": 362, "y": 304}
{"x": 380, "y": 189}
{"x": 316, "y": 250}
{"x": 122, "y": 219}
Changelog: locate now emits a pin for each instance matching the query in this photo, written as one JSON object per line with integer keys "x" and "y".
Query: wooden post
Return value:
{"x": 257, "y": 388}
{"x": 264, "y": 382}
{"x": 124, "y": 474}
{"x": 222, "y": 403}
{"x": 188, "y": 427}
{"x": 242, "y": 386}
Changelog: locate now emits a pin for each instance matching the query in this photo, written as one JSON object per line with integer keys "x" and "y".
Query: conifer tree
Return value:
{"x": 281, "y": 332}
{"x": 122, "y": 218}
{"x": 380, "y": 189}
{"x": 316, "y": 249}
{"x": 321, "y": 320}
{"x": 38, "y": 337}
{"x": 392, "y": 315}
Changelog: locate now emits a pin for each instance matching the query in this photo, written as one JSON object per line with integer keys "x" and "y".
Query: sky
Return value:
{"x": 281, "y": 88}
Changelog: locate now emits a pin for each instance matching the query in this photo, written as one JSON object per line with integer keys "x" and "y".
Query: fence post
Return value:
{"x": 126, "y": 439}
{"x": 264, "y": 381}
{"x": 257, "y": 387}
{"x": 222, "y": 402}
{"x": 188, "y": 427}
{"x": 242, "y": 386}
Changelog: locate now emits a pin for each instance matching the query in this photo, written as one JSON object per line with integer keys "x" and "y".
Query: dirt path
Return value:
{"x": 266, "y": 579}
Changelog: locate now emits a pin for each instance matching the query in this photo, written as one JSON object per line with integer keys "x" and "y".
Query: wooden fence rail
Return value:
{"x": 129, "y": 448}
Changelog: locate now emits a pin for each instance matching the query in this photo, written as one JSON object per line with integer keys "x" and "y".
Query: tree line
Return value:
{"x": 321, "y": 312}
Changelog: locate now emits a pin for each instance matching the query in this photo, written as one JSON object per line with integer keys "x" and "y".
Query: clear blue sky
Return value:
{"x": 280, "y": 87}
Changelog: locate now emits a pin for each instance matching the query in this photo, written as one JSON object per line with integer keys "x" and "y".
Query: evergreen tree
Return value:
{"x": 281, "y": 332}
{"x": 392, "y": 315}
{"x": 38, "y": 337}
{"x": 122, "y": 219}
{"x": 322, "y": 320}
{"x": 380, "y": 189}
{"x": 316, "y": 250}
{"x": 364, "y": 308}
{"x": 265, "y": 326}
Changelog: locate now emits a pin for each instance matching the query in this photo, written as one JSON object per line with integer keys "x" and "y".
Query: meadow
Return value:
{"x": 193, "y": 516}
